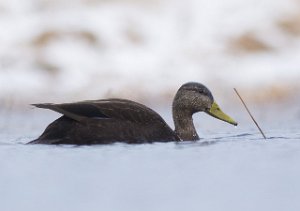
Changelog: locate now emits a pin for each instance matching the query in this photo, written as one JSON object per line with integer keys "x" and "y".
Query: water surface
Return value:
{"x": 228, "y": 169}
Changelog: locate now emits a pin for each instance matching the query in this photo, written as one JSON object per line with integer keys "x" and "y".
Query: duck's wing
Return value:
{"x": 106, "y": 109}
{"x": 77, "y": 111}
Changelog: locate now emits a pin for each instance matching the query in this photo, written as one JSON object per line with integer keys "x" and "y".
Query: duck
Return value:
{"x": 108, "y": 121}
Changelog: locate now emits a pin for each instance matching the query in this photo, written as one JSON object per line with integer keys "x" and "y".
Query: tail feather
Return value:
{"x": 53, "y": 107}
{"x": 42, "y": 105}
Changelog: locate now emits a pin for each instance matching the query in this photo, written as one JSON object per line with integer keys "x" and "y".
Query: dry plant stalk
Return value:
{"x": 250, "y": 113}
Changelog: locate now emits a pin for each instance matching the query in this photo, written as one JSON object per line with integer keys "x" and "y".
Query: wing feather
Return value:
{"x": 109, "y": 108}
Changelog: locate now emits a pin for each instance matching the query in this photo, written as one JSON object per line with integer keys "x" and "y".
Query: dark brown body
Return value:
{"x": 103, "y": 122}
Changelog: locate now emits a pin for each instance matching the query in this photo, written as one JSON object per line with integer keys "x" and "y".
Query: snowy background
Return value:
{"x": 65, "y": 50}
{"x": 70, "y": 50}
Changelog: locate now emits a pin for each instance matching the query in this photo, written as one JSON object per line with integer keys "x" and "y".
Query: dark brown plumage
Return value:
{"x": 118, "y": 120}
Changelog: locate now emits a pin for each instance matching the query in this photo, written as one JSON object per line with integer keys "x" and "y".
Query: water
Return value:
{"x": 229, "y": 169}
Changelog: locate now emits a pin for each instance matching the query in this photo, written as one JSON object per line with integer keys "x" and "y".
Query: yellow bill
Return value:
{"x": 216, "y": 112}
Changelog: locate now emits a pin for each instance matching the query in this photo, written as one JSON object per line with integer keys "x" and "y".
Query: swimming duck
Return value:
{"x": 118, "y": 120}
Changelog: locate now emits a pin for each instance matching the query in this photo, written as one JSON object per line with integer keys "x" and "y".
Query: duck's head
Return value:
{"x": 194, "y": 97}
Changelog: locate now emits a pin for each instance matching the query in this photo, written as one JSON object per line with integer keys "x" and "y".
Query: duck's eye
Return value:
{"x": 201, "y": 91}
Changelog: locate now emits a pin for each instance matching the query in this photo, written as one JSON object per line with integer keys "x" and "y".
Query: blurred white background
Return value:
{"x": 59, "y": 50}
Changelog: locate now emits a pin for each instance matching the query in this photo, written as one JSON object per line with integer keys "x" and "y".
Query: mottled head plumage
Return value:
{"x": 197, "y": 87}
{"x": 193, "y": 97}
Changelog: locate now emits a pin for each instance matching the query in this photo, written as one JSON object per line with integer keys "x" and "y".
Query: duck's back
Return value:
{"x": 105, "y": 121}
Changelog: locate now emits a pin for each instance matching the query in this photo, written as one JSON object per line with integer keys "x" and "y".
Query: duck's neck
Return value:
{"x": 184, "y": 126}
